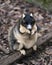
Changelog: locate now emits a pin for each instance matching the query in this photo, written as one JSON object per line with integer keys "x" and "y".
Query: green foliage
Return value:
{"x": 47, "y": 4}
{"x": 30, "y": 1}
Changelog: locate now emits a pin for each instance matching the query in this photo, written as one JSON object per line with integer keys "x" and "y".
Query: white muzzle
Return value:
{"x": 29, "y": 26}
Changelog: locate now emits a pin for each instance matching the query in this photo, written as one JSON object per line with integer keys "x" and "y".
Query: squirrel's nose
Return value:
{"x": 29, "y": 27}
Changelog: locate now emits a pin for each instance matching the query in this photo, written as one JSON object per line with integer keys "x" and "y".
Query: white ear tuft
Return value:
{"x": 31, "y": 14}
{"x": 23, "y": 15}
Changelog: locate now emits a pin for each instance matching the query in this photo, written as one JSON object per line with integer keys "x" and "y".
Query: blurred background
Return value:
{"x": 46, "y": 4}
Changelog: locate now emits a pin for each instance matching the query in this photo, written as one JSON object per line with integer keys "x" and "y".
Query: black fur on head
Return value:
{"x": 28, "y": 21}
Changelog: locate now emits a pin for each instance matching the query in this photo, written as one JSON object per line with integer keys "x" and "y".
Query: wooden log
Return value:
{"x": 17, "y": 55}
{"x": 9, "y": 59}
{"x": 44, "y": 39}
{"x": 12, "y": 57}
{"x": 6, "y": 51}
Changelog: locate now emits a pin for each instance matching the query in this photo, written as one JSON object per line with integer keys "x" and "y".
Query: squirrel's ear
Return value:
{"x": 31, "y": 14}
{"x": 23, "y": 15}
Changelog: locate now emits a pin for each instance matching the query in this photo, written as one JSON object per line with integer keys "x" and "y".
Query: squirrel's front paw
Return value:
{"x": 35, "y": 47}
{"x": 23, "y": 52}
